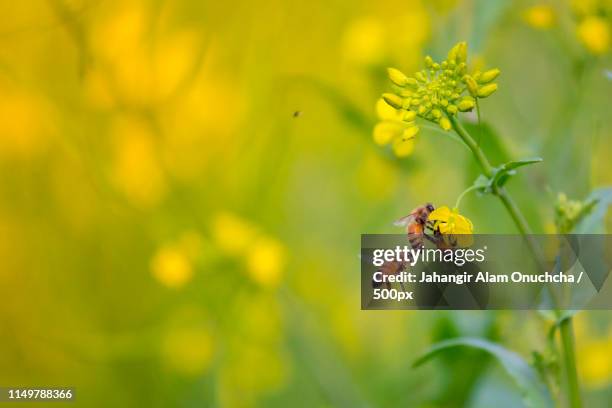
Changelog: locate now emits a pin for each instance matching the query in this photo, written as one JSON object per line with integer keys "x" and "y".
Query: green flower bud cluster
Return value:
{"x": 440, "y": 90}
{"x": 568, "y": 213}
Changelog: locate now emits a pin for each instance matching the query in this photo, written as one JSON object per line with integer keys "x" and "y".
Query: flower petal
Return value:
{"x": 440, "y": 214}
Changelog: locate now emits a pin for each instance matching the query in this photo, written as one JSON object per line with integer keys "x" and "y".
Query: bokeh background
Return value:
{"x": 183, "y": 185}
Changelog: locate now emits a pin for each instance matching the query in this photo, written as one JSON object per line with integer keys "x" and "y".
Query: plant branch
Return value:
{"x": 569, "y": 361}
{"x": 567, "y": 337}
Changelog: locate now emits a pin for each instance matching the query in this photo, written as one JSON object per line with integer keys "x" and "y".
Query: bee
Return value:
{"x": 416, "y": 223}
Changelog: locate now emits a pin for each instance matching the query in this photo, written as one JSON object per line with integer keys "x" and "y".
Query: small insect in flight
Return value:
{"x": 416, "y": 223}
{"x": 297, "y": 113}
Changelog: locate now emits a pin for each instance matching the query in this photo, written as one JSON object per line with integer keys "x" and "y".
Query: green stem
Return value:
{"x": 467, "y": 190}
{"x": 569, "y": 357}
{"x": 567, "y": 337}
{"x": 510, "y": 205}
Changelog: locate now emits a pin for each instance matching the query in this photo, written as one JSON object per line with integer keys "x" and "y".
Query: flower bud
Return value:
{"x": 487, "y": 90}
{"x": 489, "y": 75}
{"x": 461, "y": 68}
{"x": 393, "y": 100}
{"x": 436, "y": 113}
{"x": 420, "y": 77}
{"x": 452, "y": 109}
{"x": 412, "y": 82}
{"x": 471, "y": 84}
{"x": 428, "y": 61}
{"x": 397, "y": 77}
{"x": 462, "y": 52}
{"x": 410, "y": 132}
{"x": 445, "y": 123}
{"x": 458, "y": 53}
{"x": 466, "y": 104}
{"x": 409, "y": 116}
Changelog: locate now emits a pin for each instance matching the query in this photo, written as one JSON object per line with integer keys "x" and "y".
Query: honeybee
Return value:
{"x": 416, "y": 222}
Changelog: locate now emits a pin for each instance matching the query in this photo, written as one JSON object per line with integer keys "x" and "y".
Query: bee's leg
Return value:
{"x": 431, "y": 239}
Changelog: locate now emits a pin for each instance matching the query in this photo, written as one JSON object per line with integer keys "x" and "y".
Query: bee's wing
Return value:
{"x": 402, "y": 222}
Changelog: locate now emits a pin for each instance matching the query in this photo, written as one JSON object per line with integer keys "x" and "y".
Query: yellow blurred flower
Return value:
{"x": 265, "y": 261}
{"x": 202, "y": 123}
{"x": 145, "y": 64}
{"x": 594, "y": 33}
{"x": 455, "y": 228}
{"x": 189, "y": 351}
{"x": 231, "y": 233}
{"x": 594, "y": 362}
{"x": 171, "y": 266}
{"x": 136, "y": 169}
{"x": 541, "y": 16}
{"x": 25, "y": 123}
{"x": 364, "y": 41}
{"x": 594, "y": 352}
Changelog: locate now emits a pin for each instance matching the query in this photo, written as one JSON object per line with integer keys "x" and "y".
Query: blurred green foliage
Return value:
{"x": 184, "y": 185}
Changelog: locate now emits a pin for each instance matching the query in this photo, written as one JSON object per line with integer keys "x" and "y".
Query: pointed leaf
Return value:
{"x": 533, "y": 390}
{"x": 503, "y": 172}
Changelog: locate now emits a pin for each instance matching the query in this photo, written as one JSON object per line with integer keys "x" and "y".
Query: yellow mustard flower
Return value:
{"x": 265, "y": 261}
{"x": 594, "y": 350}
{"x": 172, "y": 267}
{"x": 436, "y": 94}
{"x": 593, "y": 363}
{"x": 455, "y": 228}
{"x": 393, "y": 130}
{"x": 594, "y": 33}
{"x": 541, "y": 17}
{"x": 26, "y": 122}
{"x": 136, "y": 168}
{"x": 449, "y": 221}
{"x": 364, "y": 41}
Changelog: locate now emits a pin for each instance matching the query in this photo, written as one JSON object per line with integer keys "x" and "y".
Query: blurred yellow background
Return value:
{"x": 184, "y": 184}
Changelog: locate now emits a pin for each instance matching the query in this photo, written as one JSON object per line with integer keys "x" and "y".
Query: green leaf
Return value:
{"x": 501, "y": 174}
{"x": 533, "y": 390}
{"x": 593, "y": 223}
